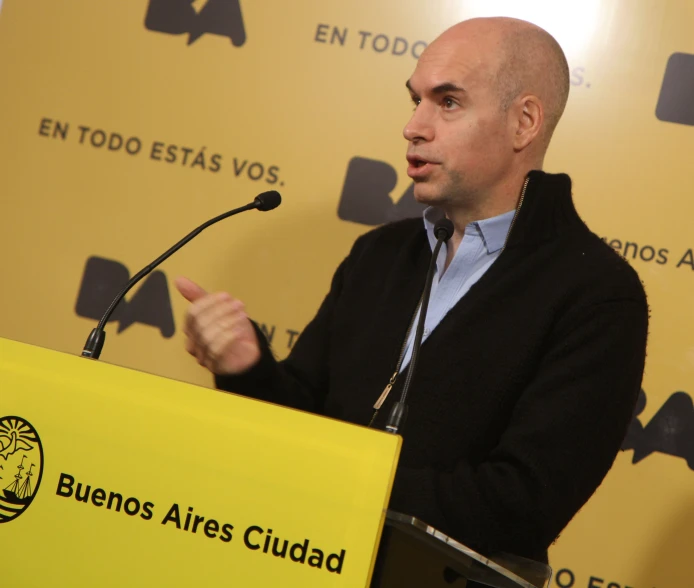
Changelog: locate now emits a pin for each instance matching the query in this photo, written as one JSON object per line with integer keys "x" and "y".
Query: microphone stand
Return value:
{"x": 95, "y": 341}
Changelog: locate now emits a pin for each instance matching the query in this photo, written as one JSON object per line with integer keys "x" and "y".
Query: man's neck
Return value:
{"x": 505, "y": 199}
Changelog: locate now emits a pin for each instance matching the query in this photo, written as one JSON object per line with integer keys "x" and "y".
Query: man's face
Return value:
{"x": 459, "y": 137}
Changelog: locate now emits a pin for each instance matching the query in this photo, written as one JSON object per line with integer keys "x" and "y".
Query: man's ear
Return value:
{"x": 530, "y": 116}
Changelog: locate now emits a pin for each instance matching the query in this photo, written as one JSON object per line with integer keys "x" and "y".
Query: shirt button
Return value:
{"x": 426, "y": 332}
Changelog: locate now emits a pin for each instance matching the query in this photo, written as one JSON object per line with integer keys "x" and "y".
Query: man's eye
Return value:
{"x": 415, "y": 101}
{"x": 449, "y": 102}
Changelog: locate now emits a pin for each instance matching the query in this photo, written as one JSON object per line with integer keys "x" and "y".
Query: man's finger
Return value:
{"x": 190, "y": 346}
{"x": 222, "y": 310}
{"x": 189, "y": 289}
{"x": 232, "y": 323}
{"x": 200, "y": 308}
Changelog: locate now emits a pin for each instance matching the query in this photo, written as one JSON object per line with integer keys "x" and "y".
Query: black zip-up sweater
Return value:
{"x": 523, "y": 392}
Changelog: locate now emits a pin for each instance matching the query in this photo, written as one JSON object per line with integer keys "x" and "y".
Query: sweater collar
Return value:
{"x": 546, "y": 211}
{"x": 492, "y": 231}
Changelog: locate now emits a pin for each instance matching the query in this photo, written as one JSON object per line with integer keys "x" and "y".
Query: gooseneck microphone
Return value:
{"x": 95, "y": 341}
{"x": 443, "y": 231}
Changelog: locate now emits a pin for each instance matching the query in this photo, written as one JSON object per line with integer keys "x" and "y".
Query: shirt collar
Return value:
{"x": 493, "y": 231}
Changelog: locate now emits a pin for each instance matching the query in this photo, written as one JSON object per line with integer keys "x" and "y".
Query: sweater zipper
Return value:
{"x": 515, "y": 216}
{"x": 384, "y": 395}
{"x": 394, "y": 377}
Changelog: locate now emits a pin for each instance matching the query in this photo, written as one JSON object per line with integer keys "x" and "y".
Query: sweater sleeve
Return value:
{"x": 564, "y": 434}
{"x": 301, "y": 380}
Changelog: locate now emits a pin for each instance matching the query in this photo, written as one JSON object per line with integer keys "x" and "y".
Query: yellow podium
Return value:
{"x": 112, "y": 477}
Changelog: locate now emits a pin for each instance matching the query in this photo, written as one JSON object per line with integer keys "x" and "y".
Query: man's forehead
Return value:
{"x": 456, "y": 68}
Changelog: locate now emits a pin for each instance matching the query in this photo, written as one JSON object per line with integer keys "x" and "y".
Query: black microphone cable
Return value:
{"x": 443, "y": 231}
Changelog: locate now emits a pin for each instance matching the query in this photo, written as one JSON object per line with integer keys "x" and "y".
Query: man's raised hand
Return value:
{"x": 218, "y": 332}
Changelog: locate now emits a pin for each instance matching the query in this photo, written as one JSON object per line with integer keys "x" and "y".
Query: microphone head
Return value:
{"x": 267, "y": 200}
{"x": 443, "y": 229}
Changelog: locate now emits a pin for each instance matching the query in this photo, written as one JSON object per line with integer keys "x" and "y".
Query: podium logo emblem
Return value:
{"x": 21, "y": 466}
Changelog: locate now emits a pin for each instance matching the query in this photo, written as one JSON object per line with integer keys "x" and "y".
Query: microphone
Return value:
{"x": 443, "y": 231}
{"x": 95, "y": 341}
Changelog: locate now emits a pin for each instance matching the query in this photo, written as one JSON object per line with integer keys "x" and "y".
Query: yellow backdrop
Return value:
{"x": 124, "y": 126}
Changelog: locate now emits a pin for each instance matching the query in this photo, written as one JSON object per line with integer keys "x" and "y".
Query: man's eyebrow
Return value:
{"x": 440, "y": 89}
{"x": 446, "y": 87}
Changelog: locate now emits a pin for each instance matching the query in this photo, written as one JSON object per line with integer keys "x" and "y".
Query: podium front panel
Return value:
{"x": 113, "y": 477}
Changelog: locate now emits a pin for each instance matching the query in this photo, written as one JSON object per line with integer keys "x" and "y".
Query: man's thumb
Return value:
{"x": 189, "y": 289}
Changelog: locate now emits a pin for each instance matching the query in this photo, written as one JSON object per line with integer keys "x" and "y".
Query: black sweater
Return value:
{"x": 523, "y": 392}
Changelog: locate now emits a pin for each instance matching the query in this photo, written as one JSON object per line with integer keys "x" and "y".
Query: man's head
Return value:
{"x": 488, "y": 94}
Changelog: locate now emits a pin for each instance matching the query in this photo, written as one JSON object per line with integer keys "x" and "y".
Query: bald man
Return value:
{"x": 536, "y": 331}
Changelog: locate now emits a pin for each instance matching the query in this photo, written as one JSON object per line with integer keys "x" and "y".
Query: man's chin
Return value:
{"x": 427, "y": 194}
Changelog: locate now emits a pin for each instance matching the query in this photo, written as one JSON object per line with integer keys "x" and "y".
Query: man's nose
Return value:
{"x": 420, "y": 127}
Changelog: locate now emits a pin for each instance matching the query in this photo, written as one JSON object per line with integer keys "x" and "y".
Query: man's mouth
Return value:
{"x": 419, "y": 167}
{"x": 416, "y": 161}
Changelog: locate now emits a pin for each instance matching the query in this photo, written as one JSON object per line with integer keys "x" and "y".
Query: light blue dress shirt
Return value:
{"x": 481, "y": 245}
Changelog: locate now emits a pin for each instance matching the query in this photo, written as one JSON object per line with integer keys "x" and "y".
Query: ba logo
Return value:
{"x": 196, "y": 18}
{"x": 150, "y": 305}
{"x": 21, "y": 466}
{"x": 676, "y": 100}
{"x": 670, "y": 431}
{"x": 366, "y": 194}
